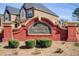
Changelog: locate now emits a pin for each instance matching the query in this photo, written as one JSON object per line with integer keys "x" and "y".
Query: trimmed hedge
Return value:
{"x": 30, "y": 43}
{"x": 13, "y": 43}
{"x": 44, "y": 43}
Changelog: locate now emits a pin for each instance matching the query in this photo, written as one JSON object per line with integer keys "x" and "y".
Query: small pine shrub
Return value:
{"x": 30, "y": 44}
{"x": 44, "y": 43}
{"x": 13, "y": 43}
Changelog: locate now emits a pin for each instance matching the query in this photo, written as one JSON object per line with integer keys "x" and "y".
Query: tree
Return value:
{"x": 76, "y": 14}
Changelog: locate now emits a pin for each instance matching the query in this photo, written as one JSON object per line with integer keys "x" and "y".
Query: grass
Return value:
{"x": 36, "y": 52}
{"x": 76, "y": 44}
{"x": 0, "y": 46}
{"x": 15, "y": 52}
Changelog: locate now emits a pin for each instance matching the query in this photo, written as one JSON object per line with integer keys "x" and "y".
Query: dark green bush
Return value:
{"x": 13, "y": 43}
{"x": 44, "y": 43}
{"x": 30, "y": 44}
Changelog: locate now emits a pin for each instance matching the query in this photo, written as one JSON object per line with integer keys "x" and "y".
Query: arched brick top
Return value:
{"x": 46, "y": 20}
{"x": 32, "y": 21}
{"x": 35, "y": 20}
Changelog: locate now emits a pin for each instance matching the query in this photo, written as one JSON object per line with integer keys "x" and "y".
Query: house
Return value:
{"x": 1, "y": 20}
{"x": 29, "y": 10}
{"x": 34, "y": 21}
{"x": 10, "y": 14}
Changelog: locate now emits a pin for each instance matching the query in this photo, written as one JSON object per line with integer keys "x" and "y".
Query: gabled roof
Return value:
{"x": 12, "y": 10}
{"x": 38, "y": 6}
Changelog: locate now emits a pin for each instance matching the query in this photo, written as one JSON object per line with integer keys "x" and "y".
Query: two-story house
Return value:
{"x": 29, "y": 10}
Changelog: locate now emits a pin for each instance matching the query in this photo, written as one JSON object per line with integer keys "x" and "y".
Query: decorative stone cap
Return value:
{"x": 71, "y": 24}
{"x": 7, "y": 24}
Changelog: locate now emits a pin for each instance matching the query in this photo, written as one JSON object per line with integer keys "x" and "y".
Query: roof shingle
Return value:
{"x": 12, "y": 10}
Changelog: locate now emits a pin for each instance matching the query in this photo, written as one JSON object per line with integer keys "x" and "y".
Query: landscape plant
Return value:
{"x": 13, "y": 43}
{"x": 44, "y": 43}
{"x": 30, "y": 43}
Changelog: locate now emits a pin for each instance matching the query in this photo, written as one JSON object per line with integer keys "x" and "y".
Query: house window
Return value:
{"x": 6, "y": 18}
{"x": 29, "y": 13}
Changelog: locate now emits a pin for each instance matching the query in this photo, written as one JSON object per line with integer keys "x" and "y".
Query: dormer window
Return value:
{"x": 29, "y": 13}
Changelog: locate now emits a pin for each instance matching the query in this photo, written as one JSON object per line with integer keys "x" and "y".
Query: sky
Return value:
{"x": 63, "y": 10}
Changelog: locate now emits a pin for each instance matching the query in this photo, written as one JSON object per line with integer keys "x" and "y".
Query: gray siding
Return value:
{"x": 22, "y": 14}
{"x": 6, "y": 17}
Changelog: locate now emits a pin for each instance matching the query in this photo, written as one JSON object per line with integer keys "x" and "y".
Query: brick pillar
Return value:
{"x": 55, "y": 34}
{"x": 71, "y": 33}
{"x": 7, "y": 32}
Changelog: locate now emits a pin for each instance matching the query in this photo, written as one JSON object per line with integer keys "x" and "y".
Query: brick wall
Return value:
{"x": 7, "y": 32}
{"x": 21, "y": 34}
{"x": 72, "y": 33}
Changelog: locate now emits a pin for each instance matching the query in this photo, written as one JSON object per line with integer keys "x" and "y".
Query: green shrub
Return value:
{"x": 77, "y": 44}
{"x": 44, "y": 43}
{"x": 30, "y": 44}
{"x": 13, "y": 43}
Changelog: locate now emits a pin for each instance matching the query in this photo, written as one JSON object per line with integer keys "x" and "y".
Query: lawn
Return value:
{"x": 58, "y": 48}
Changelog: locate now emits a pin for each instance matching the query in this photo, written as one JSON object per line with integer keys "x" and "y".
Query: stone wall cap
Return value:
{"x": 7, "y": 24}
{"x": 71, "y": 24}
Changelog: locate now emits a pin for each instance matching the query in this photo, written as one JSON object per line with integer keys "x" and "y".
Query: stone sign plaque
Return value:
{"x": 40, "y": 28}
